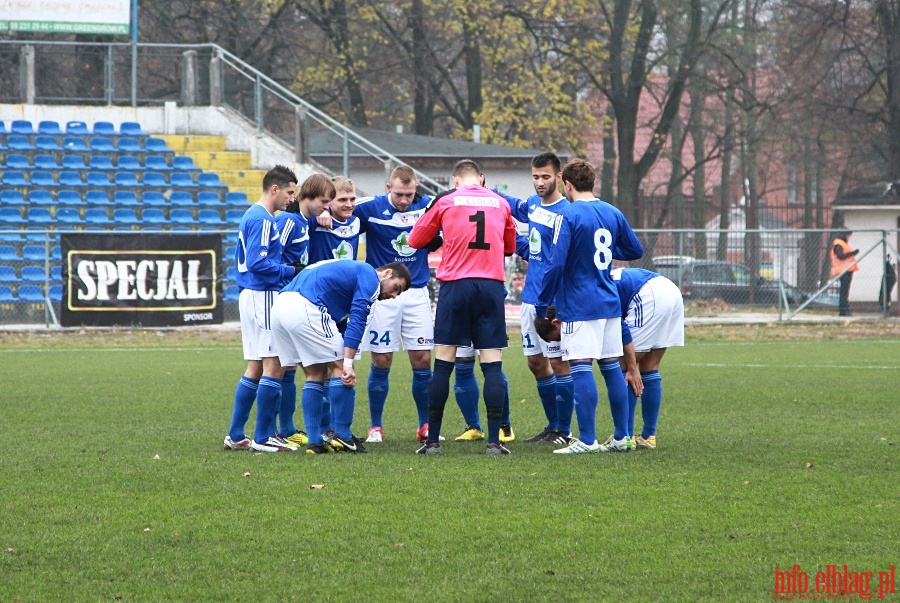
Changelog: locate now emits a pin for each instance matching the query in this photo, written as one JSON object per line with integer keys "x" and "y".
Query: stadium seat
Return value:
{"x": 14, "y": 178}
{"x": 182, "y": 179}
{"x": 230, "y": 274}
{"x": 153, "y": 198}
{"x": 157, "y": 145}
{"x": 104, "y": 128}
{"x": 208, "y": 199}
{"x": 128, "y": 179}
{"x": 96, "y": 216}
{"x": 183, "y": 163}
{"x": 37, "y": 234}
{"x": 15, "y": 161}
{"x": 17, "y": 142}
{"x": 39, "y": 197}
{"x": 55, "y": 293}
{"x": 10, "y": 234}
{"x": 46, "y": 143}
{"x": 68, "y": 178}
{"x": 8, "y": 275}
{"x": 68, "y": 197}
{"x": 157, "y": 163}
{"x": 46, "y": 162}
{"x": 73, "y": 143}
{"x": 10, "y": 197}
{"x": 49, "y": 127}
{"x": 228, "y": 252}
{"x": 210, "y": 217}
{"x": 154, "y": 179}
{"x": 125, "y": 198}
{"x": 21, "y": 126}
{"x": 6, "y": 294}
{"x": 11, "y": 215}
{"x": 131, "y": 128}
{"x": 181, "y": 216}
{"x": 56, "y": 253}
{"x": 125, "y": 216}
{"x": 102, "y": 144}
{"x": 209, "y": 180}
{"x": 56, "y": 273}
{"x": 3, "y": 127}
{"x": 73, "y": 162}
{"x": 34, "y": 253}
{"x": 60, "y": 230}
{"x": 129, "y": 163}
{"x": 233, "y": 216}
{"x": 42, "y": 178}
{"x": 39, "y": 215}
{"x": 77, "y": 127}
{"x": 98, "y": 179}
{"x": 129, "y": 144}
{"x": 33, "y": 274}
{"x": 68, "y": 215}
{"x": 31, "y": 293}
{"x": 181, "y": 198}
{"x": 151, "y": 229}
{"x": 153, "y": 215}
{"x": 94, "y": 197}
{"x": 8, "y": 253}
{"x": 232, "y": 293}
{"x": 231, "y": 237}
{"x": 101, "y": 162}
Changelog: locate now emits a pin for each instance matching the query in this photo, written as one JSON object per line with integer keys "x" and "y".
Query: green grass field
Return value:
{"x": 115, "y": 487}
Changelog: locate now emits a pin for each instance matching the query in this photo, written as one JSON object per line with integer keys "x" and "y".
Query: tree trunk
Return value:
{"x": 608, "y": 169}
{"x": 423, "y": 105}
{"x": 698, "y": 139}
{"x": 887, "y": 11}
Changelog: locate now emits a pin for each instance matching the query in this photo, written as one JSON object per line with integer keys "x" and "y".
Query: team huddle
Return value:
{"x": 306, "y": 301}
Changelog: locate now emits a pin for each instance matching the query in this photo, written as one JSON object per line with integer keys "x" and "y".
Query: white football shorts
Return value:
{"x": 304, "y": 333}
{"x": 532, "y": 344}
{"x": 405, "y": 318}
{"x": 595, "y": 339}
{"x": 256, "y": 328}
{"x": 656, "y": 316}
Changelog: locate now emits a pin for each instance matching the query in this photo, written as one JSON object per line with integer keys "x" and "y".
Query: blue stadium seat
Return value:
{"x": 10, "y": 197}
{"x": 73, "y": 143}
{"x": 209, "y": 199}
{"x": 8, "y": 275}
{"x": 6, "y": 294}
{"x": 77, "y": 127}
{"x": 230, "y": 274}
{"x": 3, "y": 127}
{"x": 17, "y": 142}
{"x": 129, "y": 163}
{"x": 104, "y": 128}
{"x": 46, "y": 162}
{"x": 68, "y": 197}
{"x": 68, "y": 215}
{"x": 101, "y": 162}
{"x": 10, "y": 234}
{"x": 181, "y": 229}
{"x": 233, "y": 216}
{"x": 125, "y": 198}
{"x": 37, "y": 234}
{"x": 152, "y": 215}
{"x": 39, "y": 197}
{"x": 98, "y": 179}
{"x": 182, "y": 216}
{"x": 154, "y": 179}
{"x": 62, "y": 230}
{"x": 228, "y": 252}
{"x": 182, "y": 179}
{"x": 15, "y": 161}
{"x": 157, "y": 145}
{"x": 14, "y": 178}
{"x": 185, "y": 164}
{"x": 209, "y": 180}
{"x": 231, "y": 237}
{"x": 151, "y": 229}
{"x": 73, "y": 162}
{"x": 42, "y": 178}
{"x": 11, "y": 215}
{"x": 48, "y": 127}
{"x": 21, "y": 126}
{"x": 56, "y": 253}
{"x": 39, "y": 215}
{"x": 46, "y": 143}
{"x": 68, "y": 178}
{"x": 34, "y": 253}
{"x": 153, "y": 198}
{"x": 181, "y": 198}
{"x": 210, "y": 217}
{"x": 157, "y": 163}
{"x": 31, "y": 293}
{"x": 8, "y": 253}
{"x": 232, "y": 293}
{"x": 56, "y": 273}
{"x": 131, "y": 128}
{"x": 129, "y": 144}
{"x": 33, "y": 274}
{"x": 125, "y": 215}
{"x": 129, "y": 179}
{"x": 102, "y": 144}
{"x": 55, "y": 293}
{"x": 96, "y": 216}
{"x": 95, "y": 197}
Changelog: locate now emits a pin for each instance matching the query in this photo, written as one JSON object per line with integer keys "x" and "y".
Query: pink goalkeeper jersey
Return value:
{"x": 478, "y": 232}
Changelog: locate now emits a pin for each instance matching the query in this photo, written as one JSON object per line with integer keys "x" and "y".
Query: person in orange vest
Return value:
{"x": 842, "y": 258}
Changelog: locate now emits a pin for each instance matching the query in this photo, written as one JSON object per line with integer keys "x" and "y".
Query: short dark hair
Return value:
{"x": 544, "y": 326}
{"x": 580, "y": 174}
{"x": 545, "y": 159}
{"x": 317, "y": 185}
{"x": 280, "y": 175}
{"x": 465, "y": 167}
{"x": 399, "y": 270}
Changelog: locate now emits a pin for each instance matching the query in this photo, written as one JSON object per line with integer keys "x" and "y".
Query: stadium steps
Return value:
{"x": 209, "y": 153}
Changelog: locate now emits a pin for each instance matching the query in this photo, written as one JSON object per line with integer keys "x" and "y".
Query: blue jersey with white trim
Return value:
{"x": 294, "y": 229}
{"x": 257, "y": 256}
{"x": 387, "y": 230}
{"x": 541, "y": 221}
{"x": 346, "y": 289}
{"x": 340, "y": 242}
{"x": 588, "y": 235}
{"x": 628, "y": 283}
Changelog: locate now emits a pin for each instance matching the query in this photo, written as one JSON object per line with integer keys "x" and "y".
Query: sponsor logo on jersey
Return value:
{"x": 344, "y": 251}
{"x": 534, "y": 242}
{"x": 401, "y": 246}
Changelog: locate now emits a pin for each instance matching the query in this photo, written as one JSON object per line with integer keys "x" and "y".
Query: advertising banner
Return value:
{"x": 66, "y": 16}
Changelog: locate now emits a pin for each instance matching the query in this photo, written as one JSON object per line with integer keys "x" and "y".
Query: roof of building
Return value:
{"x": 882, "y": 194}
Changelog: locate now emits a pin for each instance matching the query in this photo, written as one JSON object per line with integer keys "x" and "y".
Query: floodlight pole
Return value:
{"x": 134, "y": 40}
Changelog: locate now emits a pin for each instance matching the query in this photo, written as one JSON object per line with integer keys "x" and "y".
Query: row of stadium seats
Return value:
{"x": 127, "y": 144}
{"x": 104, "y": 128}
{"x": 29, "y": 293}
{"x": 159, "y": 163}
{"x": 30, "y": 274}
{"x": 30, "y": 253}
{"x": 19, "y": 179}
{"x": 41, "y": 234}
{"x": 81, "y": 198}
{"x": 124, "y": 216}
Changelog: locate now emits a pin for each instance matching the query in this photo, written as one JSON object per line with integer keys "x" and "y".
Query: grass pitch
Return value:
{"x": 114, "y": 485}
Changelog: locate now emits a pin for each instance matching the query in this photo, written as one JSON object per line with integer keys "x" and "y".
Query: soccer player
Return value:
{"x": 260, "y": 275}
{"x": 315, "y": 193}
{"x": 478, "y": 233}
{"x": 588, "y": 235}
{"x": 305, "y": 333}
{"x": 653, "y": 315}
{"x": 387, "y": 221}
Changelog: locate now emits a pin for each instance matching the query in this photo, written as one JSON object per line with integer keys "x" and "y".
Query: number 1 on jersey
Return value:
{"x": 479, "y": 242}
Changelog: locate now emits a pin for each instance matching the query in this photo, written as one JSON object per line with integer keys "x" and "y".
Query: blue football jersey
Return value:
{"x": 628, "y": 282}
{"x": 340, "y": 242}
{"x": 541, "y": 221}
{"x": 257, "y": 255}
{"x": 387, "y": 231}
{"x": 294, "y": 229}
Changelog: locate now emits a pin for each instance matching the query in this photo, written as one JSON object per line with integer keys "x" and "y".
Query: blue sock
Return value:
{"x": 617, "y": 390}
{"x": 311, "y": 401}
{"x": 378, "y": 386}
{"x": 343, "y": 403}
{"x": 244, "y": 395}
{"x": 586, "y": 398}
{"x": 632, "y": 406}
{"x": 494, "y": 391}
{"x": 467, "y": 393}
{"x": 288, "y": 405}
{"x": 266, "y": 402}
{"x": 565, "y": 402}
{"x": 651, "y": 400}
{"x": 546, "y": 387}
{"x": 327, "y": 420}
{"x": 421, "y": 379}
{"x": 438, "y": 392}
{"x": 504, "y": 418}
